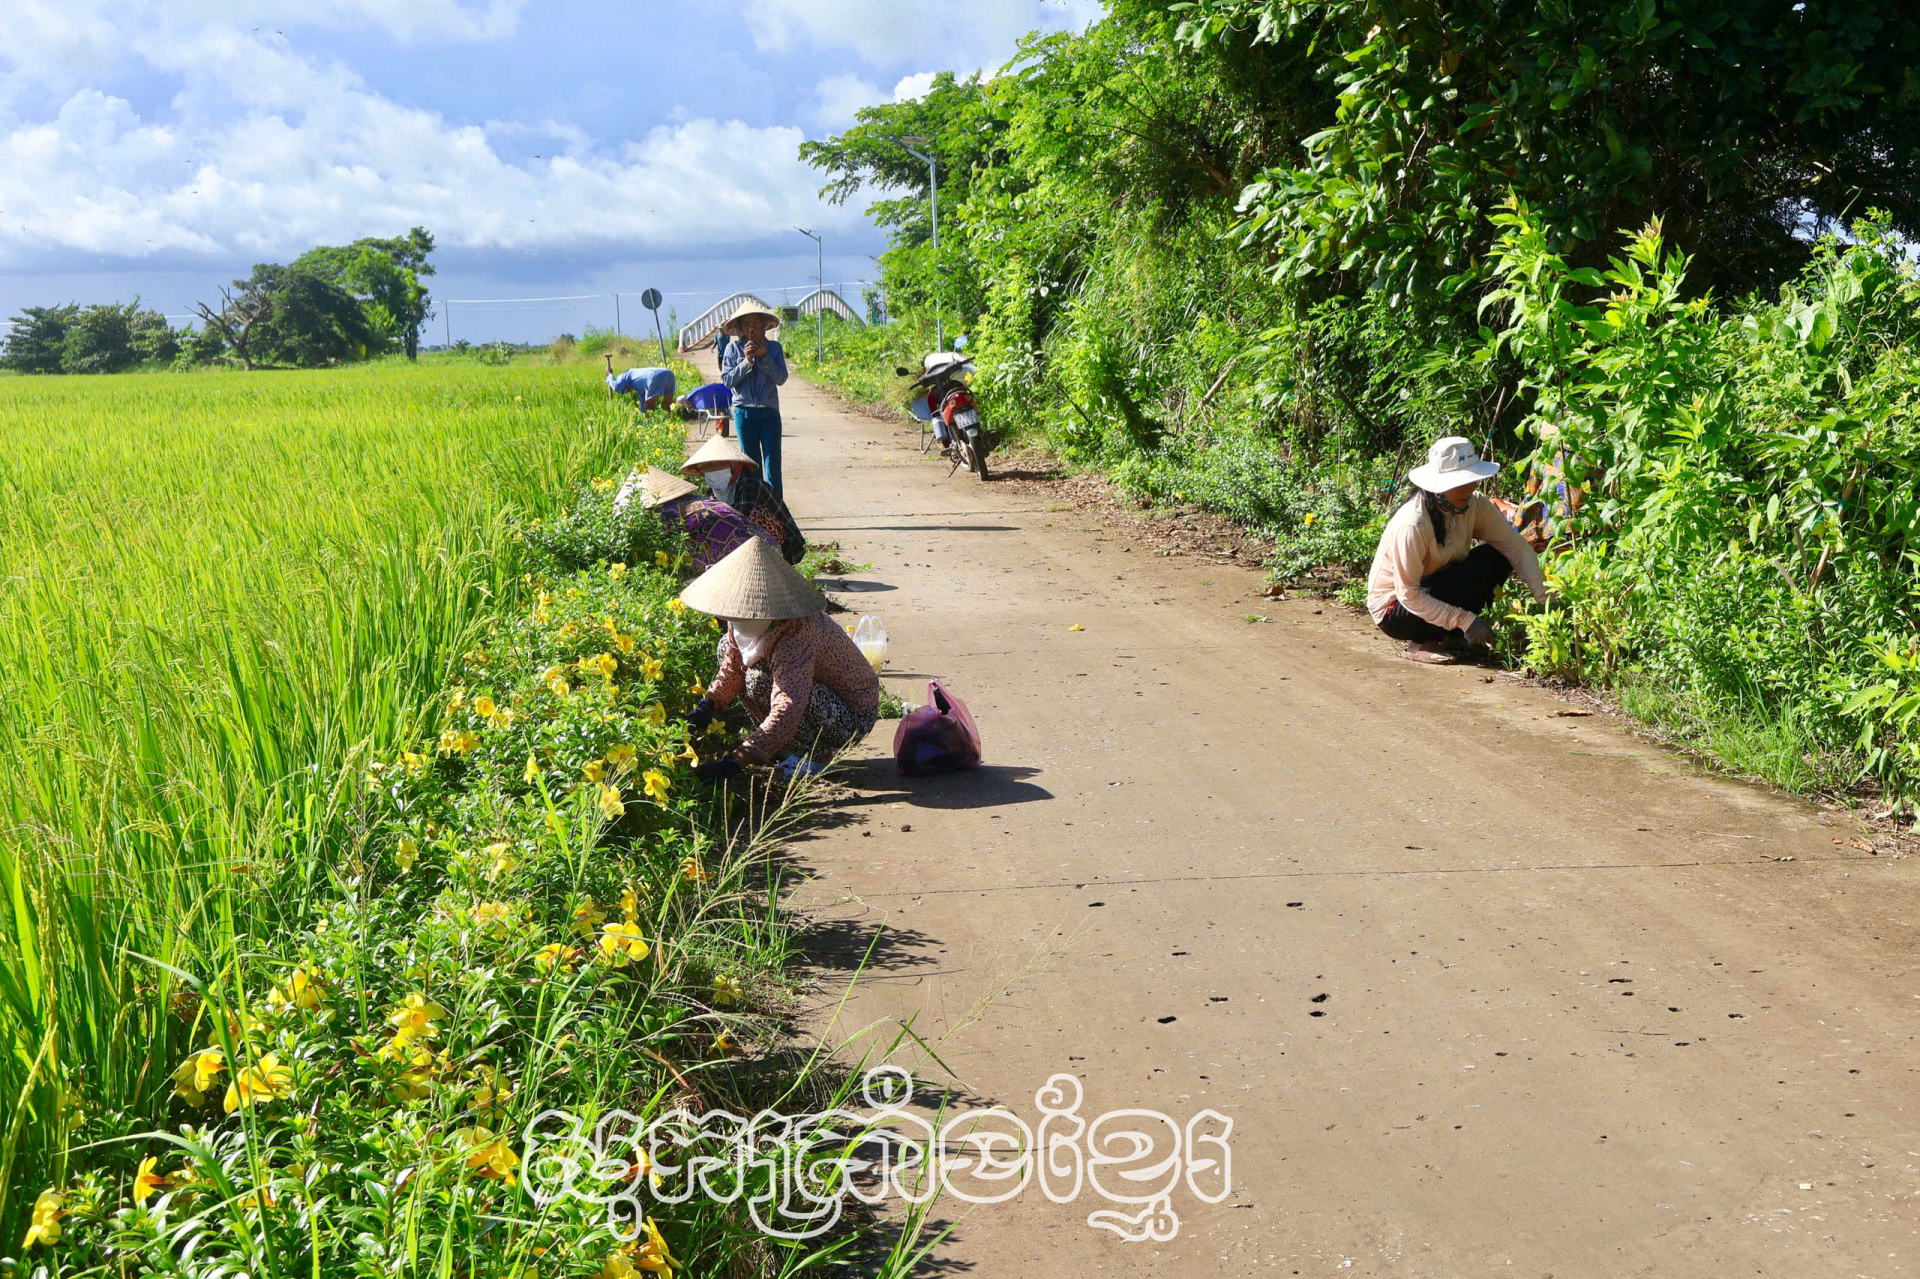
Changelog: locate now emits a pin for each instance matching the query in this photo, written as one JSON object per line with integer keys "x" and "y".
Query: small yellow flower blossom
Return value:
{"x": 716, "y": 728}
{"x": 483, "y": 706}
{"x": 405, "y": 853}
{"x": 601, "y": 484}
{"x": 656, "y": 715}
{"x": 675, "y": 607}
{"x": 596, "y": 771}
{"x": 493, "y": 917}
{"x": 505, "y": 716}
{"x": 45, "y": 1226}
{"x": 630, "y": 905}
{"x": 649, "y": 1256}
{"x": 588, "y": 918}
{"x": 500, "y": 861}
{"x": 660, "y": 558}
{"x": 532, "y": 773}
{"x": 691, "y": 869}
{"x": 417, "y": 1017}
{"x": 621, "y": 756}
{"x": 726, "y": 990}
{"x": 489, "y": 1156}
{"x": 623, "y": 642}
{"x": 542, "y": 607}
{"x": 416, "y": 1081}
{"x": 555, "y": 678}
{"x": 601, "y": 664}
{"x": 651, "y": 667}
{"x": 490, "y": 1095}
{"x": 147, "y": 1183}
{"x": 457, "y": 699}
{"x": 300, "y": 991}
{"x": 458, "y": 741}
{"x": 555, "y": 955}
{"x": 196, "y": 1075}
{"x": 697, "y": 688}
{"x": 415, "y": 764}
{"x": 656, "y": 784}
{"x": 265, "y": 1080}
{"x": 616, "y": 571}
{"x": 621, "y": 944}
{"x": 723, "y": 1044}
{"x": 611, "y": 805}
{"x": 1308, "y": 518}
{"x": 691, "y": 755}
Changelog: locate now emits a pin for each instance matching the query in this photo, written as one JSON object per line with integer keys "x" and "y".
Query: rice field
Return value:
{"x": 220, "y": 596}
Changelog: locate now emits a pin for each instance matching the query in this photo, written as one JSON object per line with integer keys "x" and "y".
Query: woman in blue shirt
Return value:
{"x": 754, "y": 368}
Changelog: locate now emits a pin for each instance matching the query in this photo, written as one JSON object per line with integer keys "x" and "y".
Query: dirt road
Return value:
{"x": 1486, "y": 990}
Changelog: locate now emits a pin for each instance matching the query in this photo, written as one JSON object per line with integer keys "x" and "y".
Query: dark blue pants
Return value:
{"x": 758, "y": 430}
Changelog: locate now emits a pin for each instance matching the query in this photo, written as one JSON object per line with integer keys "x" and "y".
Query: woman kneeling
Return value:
{"x": 800, "y": 675}
{"x": 1430, "y": 583}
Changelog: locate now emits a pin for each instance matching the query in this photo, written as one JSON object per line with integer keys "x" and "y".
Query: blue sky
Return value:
{"x": 160, "y": 147}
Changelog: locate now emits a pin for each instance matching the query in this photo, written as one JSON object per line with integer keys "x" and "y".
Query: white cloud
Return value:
{"x": 914, "y": 87}
{"x": 264, "y": 153}
{"x": 887, "y": 33}
{"x": 840, "y": 97}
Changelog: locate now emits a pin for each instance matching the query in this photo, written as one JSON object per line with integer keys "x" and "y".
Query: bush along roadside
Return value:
{"x": 540, "y": 910}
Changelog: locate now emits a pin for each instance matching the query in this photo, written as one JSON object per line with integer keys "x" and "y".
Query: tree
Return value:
{"x": 100, "y": 340}
{"x": 34, "y": 338}
{"x": 384, "y": 276}
{"x": 243, "y": 309}
{"x": 289, "y": 315}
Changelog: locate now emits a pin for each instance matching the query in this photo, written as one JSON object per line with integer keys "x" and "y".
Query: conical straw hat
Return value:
{"x": 657, "y": 488}
{"x": 753, "y": 584}
{"x": 721, "y": 450}
{"x": 744, "y": 312}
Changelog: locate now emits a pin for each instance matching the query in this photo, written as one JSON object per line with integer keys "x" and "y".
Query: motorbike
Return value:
{"x": 941, "y": 400}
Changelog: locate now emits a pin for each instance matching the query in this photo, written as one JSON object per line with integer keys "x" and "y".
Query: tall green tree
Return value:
{"x": 385, "y": 276}
{"x": 290, "y": 315}
{"x": 35, "y": 336}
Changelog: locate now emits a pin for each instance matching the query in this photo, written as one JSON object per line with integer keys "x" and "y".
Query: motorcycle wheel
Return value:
{"x": 962, "y": 451}
{"x": 977, "y": 452}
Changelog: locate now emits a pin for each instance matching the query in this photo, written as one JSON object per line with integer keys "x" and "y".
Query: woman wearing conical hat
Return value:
{"x": 812, "y": 693}
{"x": 735, "y": 479}
{"x": 713, "y": 529}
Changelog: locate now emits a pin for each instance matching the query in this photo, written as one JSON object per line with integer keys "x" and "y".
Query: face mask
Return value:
{"x": 750, "y": 628}
{"x": 720, "y": 480}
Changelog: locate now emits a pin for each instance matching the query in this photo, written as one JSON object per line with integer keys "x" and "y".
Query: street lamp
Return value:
{"x": 933, "y": 190}
{"x": 819, "y": 303}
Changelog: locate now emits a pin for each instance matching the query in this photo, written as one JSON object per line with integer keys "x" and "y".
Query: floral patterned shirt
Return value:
{"x": 802, "y": 651}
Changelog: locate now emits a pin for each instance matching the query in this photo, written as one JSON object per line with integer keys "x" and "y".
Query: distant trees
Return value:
{"x": 330, "y": 305}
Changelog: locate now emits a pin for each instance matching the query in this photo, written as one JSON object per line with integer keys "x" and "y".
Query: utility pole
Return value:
{"x": 933, "y": 190}
{"x": 819, "y": 303}
{"x": 616, "y": 315}
{"x": 448, "y": 314}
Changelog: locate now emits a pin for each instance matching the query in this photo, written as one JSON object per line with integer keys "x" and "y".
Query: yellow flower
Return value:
{"x": 299, "y": 991}
{"x": 532, "y": 773}
{"x": 566, "y": 634}
{"x": 555, "y": 955}
{"x": 722, "y": 1044}
{"x": 623, "y": 642}
{"x": 457, "y": 698}
{"x": 716, "y": 729}
{"x": 489, "y": 1156}
{"x": 555, "y": 678}
{"x": 616, "y": 571}
{"x": 656, "y": 715}
{"x": 660, "y": 558}
{"x": 45, "y": 1227}
{"x": 601, "y": 664}
{"x": 691, "y": 869}
{"x": 1076, "y": 627}
{"x": 630, "y": 905}
{"x": 416, "y": 1081}
{"x": 265, "y": 1080}
{"x": 596, "y": 771}
{"x": 1308, "y": 518}
{"x": 726, "y": 990}
{"x": 458, "y": 741}
{"x": 483, "y": 706}
{"x": 588, "y": 918}
{"x": 541, "y": 606}
{"x": 490, "y": 1095}
{"x": 691, "y": 755}
{"x": 493, "y": 917}
{"x": 414, "y": 763}
{"x": 406, "y": 852}
{"x": 505, "y": 717}
{"x": 697, "y": 688}
{"x": 601, "y": 484}
{"x": 417, "y": 1017}
{"x": 650, "y": 667}
{"x": 501, "y": 861}
{"x": 611, "y": 805}
{"x": 621, "y": 944}
{"x": 621, "y": 756}
{"x": 676, "y": 607}
{"x": 196, "y": 1075}
{"x": 656, "y": 784}
{"x": 148, "y": 1183}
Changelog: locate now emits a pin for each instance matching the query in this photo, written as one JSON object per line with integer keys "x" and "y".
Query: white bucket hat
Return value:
{"x": 753, "y": 584}
{"x": 1450, "y": 463}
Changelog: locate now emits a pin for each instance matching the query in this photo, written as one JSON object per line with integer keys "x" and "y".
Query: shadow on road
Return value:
{"x": 988, "y": 786}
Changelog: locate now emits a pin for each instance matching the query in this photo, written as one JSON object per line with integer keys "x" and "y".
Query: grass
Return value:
{"x": 240, "y": 619}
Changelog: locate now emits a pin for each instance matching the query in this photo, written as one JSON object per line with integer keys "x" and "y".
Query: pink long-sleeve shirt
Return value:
{"x": 804, "y": 651}
{"x": 1409, "y": 553}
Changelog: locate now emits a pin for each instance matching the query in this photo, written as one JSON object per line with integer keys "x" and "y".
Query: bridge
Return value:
{"x": 709, "y": 321}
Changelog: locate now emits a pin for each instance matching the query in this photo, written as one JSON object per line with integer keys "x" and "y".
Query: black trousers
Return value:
{"x": 1468, "y": 584}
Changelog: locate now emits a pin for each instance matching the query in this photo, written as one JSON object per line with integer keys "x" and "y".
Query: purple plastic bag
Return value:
{"x": 939, "y": 737}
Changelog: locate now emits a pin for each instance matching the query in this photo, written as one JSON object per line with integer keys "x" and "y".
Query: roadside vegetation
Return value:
{"x": 1255, "y": 257}
{"x": 349, "y": 825}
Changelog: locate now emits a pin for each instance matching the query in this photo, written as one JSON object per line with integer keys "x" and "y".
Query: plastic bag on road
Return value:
{"x": 870, "y": 636}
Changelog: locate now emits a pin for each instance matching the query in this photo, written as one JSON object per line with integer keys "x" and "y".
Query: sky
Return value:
{"x": 159, "y": 148}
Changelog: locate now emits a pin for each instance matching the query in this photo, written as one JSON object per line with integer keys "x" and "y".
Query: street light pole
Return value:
{"x": 933, "y": 191}
{"x": 819, "y": 305}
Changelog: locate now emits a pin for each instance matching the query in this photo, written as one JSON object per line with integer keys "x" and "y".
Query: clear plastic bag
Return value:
{"x": 870, "y": 635}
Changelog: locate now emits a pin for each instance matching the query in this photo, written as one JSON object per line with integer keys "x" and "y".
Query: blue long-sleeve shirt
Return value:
{"x": 756, "y": 383}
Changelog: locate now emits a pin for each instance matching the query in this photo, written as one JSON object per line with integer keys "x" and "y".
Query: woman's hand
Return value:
{"x": 755, "y": 349}
{"x": 1480, "y": 635}
{"x": 718, "y": 771}
{"x": 701, "y": 715}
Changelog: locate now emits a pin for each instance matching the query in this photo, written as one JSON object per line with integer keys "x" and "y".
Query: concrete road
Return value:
{"x": 1485, "y": 990}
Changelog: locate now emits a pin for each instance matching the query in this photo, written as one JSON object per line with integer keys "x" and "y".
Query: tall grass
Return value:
{"x": 220, "y": 595}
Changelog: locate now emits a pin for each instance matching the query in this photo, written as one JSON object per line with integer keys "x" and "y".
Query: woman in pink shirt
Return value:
{"x": 1430, "y": 583}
